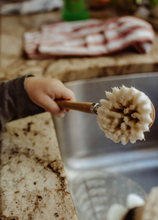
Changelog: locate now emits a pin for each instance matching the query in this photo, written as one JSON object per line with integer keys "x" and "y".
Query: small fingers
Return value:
{"x": 65, "y": 93}
{"x": 50, "y": 106}
{"x": 69, "y": 95}
{"x": 57, "y": 90}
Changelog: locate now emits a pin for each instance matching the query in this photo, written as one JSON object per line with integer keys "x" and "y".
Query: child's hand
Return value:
{"x": 43, "y": 92}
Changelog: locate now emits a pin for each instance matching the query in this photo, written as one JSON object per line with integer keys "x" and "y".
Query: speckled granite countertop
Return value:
{"x": 68, "y": 69}
{"x": 33, "y": 183}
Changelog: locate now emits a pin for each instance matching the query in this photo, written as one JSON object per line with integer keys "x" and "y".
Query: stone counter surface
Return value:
{"x": 33, "y": 183}
{"x": 66, "y": 69}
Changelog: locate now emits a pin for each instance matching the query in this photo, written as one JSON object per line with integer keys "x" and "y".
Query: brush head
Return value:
{"x": 126, "y": 116}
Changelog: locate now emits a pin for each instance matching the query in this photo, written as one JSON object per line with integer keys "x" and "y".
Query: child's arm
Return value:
{"x": 26, "y": 96}
{"x": 43, "y": 92}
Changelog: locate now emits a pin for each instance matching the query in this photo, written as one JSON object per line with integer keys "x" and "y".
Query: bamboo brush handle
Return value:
{"x": 86, "y": 107}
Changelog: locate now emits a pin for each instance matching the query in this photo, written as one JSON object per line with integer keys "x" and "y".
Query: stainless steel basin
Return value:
{"x": 84, "y": 147}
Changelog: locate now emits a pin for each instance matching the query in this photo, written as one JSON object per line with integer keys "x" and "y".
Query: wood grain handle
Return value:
{"x": 78, "y": 106}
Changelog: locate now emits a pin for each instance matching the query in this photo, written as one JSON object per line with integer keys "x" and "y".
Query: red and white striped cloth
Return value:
{"x": 90, "y": 38}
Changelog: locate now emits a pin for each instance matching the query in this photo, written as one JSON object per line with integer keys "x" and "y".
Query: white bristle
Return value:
{"x": 116, "y": 212}
{"x": 134, "y": 200}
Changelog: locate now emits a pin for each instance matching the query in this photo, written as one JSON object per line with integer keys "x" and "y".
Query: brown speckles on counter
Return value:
{"x": 47, "y": 122}
{"x": 16, "y": 134}
{"x": 24, "y": 131}
{"x": 9, "y": 218}
{"x": 39, "y": 197}
{"x": 56, "y": 215}
{"x": 57, "y": 168}
{"x": 2, "y": 217}
{"x": 35, "y": 133}
{"x": 12, "y": 218}
{"x": 33, "y": 180}
{"x": 28, "y": 128}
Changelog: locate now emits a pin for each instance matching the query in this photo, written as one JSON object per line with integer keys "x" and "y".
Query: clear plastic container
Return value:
{"x": 95, "y": 191}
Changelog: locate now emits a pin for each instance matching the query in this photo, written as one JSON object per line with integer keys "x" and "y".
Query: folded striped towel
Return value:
{"x": 89, "y": 38}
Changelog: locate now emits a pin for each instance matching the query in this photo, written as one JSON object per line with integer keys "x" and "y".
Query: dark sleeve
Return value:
{"x": 14, "y": 101}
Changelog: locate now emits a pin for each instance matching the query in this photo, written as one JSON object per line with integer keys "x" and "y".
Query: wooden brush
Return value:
{"x": 90, "y": 107}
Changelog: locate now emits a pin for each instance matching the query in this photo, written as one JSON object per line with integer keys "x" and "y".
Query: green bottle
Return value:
{"x": 74, "y": 10}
